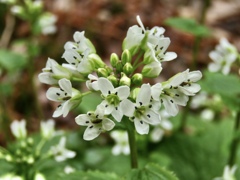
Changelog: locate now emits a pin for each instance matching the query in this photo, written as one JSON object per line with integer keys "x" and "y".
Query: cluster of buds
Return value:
{"x": 121, "y": 85}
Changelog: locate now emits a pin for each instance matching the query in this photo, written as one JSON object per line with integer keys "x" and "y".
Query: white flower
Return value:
{"x": 228, "y": 173}
{"x": 136, "y": 35}
{"x": 8, "y": 1}
{"x": 223, "y": 57}
{"x": 11, "y": 177}
{"x": 18, "y": 129}
{"x": 69, "y": 169}
{"x": 141, "y": 112}
{"x": 121, "y": 140}
{"x": 47, "y": 23}
{"x": 60, "y": 152}
{"x": 53, "y": 72}
{"x": 199, "y": 100}
{"x": 80, "y": 44}
{"x": 152, "y": 69}
{"x": 96, "y": 123}
{"x": 17, "y": 9}
{"x": 66, "y": 95}
{"x": 158, "y": 132}
{"x": 39, "y": 176}
{"x": 157, "y": 52}
{"x": 92, "y": 83}
{"x": 47, "y": 128}
{"x": 113, "y": 97}
{"x": 207, "y": 114}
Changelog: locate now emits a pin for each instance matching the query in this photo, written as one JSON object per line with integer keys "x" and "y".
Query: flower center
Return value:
{"x": 139, "y": 111}
{"x": 113, "y": 99}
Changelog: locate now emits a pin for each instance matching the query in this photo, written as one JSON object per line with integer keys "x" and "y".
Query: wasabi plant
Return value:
{"x": 127, "y": 97}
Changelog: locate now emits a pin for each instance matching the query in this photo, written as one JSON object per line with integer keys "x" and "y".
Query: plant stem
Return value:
{"x": 132, "y": 142}
{"x": 235, "y": 141}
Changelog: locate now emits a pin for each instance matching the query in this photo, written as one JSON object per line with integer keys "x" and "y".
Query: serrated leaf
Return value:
{"x": 188, "y": 25}
{"x": 151, "y": 172}
{"x": 12, "y": 61}
{"x": 90, "y": 175}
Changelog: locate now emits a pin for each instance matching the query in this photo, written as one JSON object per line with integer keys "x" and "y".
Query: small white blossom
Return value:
{"x": 60, "y": 152}
{"x": 92, "y": 83}
{"x": 141, "y": 112}
{"x": 47, "y": 23}
{"x": 11, "y": 176}
{"x": 66, "y": 95}
{"x": 18, "y": 129}
{"x": 47, "y": 128}
{"x": 39, "y": 176}
{"x": 121, "y": 140}
{"x": 53, "y": 72}
{"x": 228, "y": 173}
{"x": 96, "y": 123}
{"x": 223, "y": 57}
{"x": 113, "y": 97}
{"x": 69, "y": 169}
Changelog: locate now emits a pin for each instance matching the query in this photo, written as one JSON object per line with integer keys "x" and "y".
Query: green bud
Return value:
{"x": 114, "y": 59}
{"x": 96, "y": 60}
{"x": 102, "y": 72}
{"x": 127, "y": 68}
{"x": 134, "y": 93}
{"x": 125, "y": 80}
{"x": 30, "y": 160}
{"x": 119, "y": 67}
{"x": 8, "y": 158}
{"x": 126, "y": 56}
{"x": 109, "y": 70}
{"x": 113, "y": 80}
{"x": 137, "y": 79}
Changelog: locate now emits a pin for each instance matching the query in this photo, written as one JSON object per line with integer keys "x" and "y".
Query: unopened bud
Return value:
{"x": 119, "y": 67}
{"x": 127, "y": 68}
{"x": 125, "y": 80}
{"x": 113, "y": 80}
{"x": 97, "y": 61}
{"x": 102, "y": 72}
{"x": 126, "y": 56}
{"x": 137, "y": 79}
{"x": 152, "y": 70}
{"x": 134, "y": 93}
{"x": 114, "y": 59}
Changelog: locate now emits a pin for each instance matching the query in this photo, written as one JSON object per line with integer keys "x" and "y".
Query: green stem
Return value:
{"x": 235, "y": 142}
{"x": 132, "y": 142}
{"x": 183, "y": 120}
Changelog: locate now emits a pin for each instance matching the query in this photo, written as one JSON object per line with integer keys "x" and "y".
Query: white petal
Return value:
{"x": 46, "y": 77}
{"x": 117, "y": 114}
{"x": 78, "y": 36}
{"x": 91, "y": 132}
{"x": 52, "y": 94}
{"x": 69, "y": 154}
{"x": 178, "y": 78}
{"x": 169, "y": 56}
{"x": 191, "y": 90}
{"x": 194, "y": 76}
{"x": 226, "y": 70}
{"x": 67, "y": 106}
{"x": 181, "y": 99}
{"x": 66, "y": 85}
{"x": 141, "y": 126}
{"x": 144, "y": 95}
{"x": 107, "y": 124}
{"x": 105, "y": 86}
{"x": 83, "y": 120}
{"x": 58, "y": 112}
{"x": 171, "y": 108}
{"x": 123, "y": 92}
{"x": 151, "y": 117}
{"x": 156, "y": 90}
{"x": 127, "y": 107}
{"x": 215, "y": 56}
{"x": 213, "y": 67}
{"x": 140, "y": 22}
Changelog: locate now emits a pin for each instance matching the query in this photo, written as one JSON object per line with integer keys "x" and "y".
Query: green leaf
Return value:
{"x": 90, "y": 175}
{"x": 151, "y": 172}
{"x": 188, "y": 25}
{"x": 228, "y": 86}
{"x": 12, "y": 61}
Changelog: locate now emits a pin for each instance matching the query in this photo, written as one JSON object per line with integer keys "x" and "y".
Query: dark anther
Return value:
{"x": 59, "y": 105}
{"x": 161, "y": 101}
{"x": 116, "y": 93}
{"x": 136, "y": 107}
{"x": 106, "y": 105}
{"x": 177, "y": 95}
{"x": 61, "y": 89}
{"x": 97, "y": 116}
{"x": 109, "y": 92}
{"x": 170, "y": 87}
{"x": 171, "y": 101}
{"x": 116, "y": 108}
{"x": 65, "y": 94}
{"x": 141, "y": 122}
{"x": 91, "y": 127}
{"x": 148, "y": 116}
{"x": 140, "y": 103}
{"x": 87, "y": 122}
{"x": 150, "y": 106}
{"x": 161, "y": 48}
{"x": 58, "y": 94}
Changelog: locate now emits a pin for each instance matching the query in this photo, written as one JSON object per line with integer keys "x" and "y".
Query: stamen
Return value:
{"x": 91, "y": 127}
{"x": 171, "y": 101}
{"x": 141, "y": 122}
{"x": 109, "y": 92}
{"x": 140, "y": 103}
{"x": 148, "y": 115}
{"x": 58, "y": 94}
{"x": 87, "y": 122}
{"x": 177, "y": 95}
{"x": 150, "y": 106}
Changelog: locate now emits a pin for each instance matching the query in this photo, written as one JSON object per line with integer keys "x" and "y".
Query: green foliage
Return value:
{"x": 90, "y": 175}
{"x": 151, "y": 172}
{"x": 188, "y": 25}
{"x": 12, "y": 61}
{"x": 226, "y": 86}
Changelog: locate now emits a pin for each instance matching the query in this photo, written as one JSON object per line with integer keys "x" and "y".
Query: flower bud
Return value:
{"x": 119, "y": 67}
{"x": 126, "y": 56}
{"x": 114, "y": 59}
{"x": 102, "y": 72}
{"x": 127, "y": 68}
{"x": 113, "y": 80}
{"x": 125, "y": 80}
{"x": 97, "y": 61}
{"x": 152, "y": 70}
{"x": 137, "y": 79}
{"x": 134, "y": 93}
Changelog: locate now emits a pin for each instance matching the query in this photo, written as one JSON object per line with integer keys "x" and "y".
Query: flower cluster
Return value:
{"x": 121, "y": 85}
{"x": 223, "y": 57}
